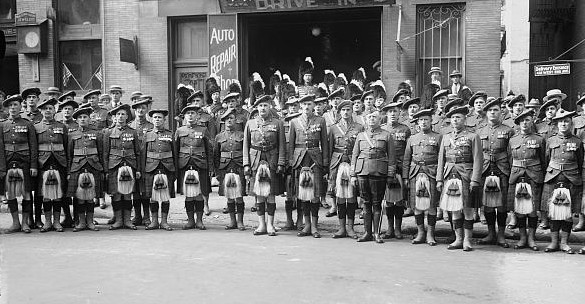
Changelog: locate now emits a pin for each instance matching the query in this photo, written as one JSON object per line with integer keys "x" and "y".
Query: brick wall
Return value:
{"x": 25, "y": 62}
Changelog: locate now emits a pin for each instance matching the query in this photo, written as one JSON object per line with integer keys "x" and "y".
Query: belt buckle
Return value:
{"x": 562, "y": 167}
{"x": 84, "y": 150}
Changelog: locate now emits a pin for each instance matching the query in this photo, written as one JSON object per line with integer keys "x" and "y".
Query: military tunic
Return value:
{"x": 460, "y": 155}
{"x": 527, "y": 156}
{"x": 52, "y": 147}
{"x": 33, "y": 116}
{"x": 546, "y": 128}
{"x": 307, "y": 90}
{"x": 20, "y": 149}
{"x": 579, "y": 126}
{"x": 421, "y": 155}
{"x": 121, "y": 147}
{"x": 331, "y": 118}
{"x": 412, "y": 126}
{"x": 241, "y": 119}
{"x": 342, "y": 138}
{"x": 564, "y": 156}
{"x": 372, "y": 161}
{"x": 142, "y": 126}
{"x": 85, "y": 152}
{"x": 264, "y": 139}
{"x": 158, "y": 156}
{"x": 99, "y": 118}
{"x": 229, "y": 157}
{"x": 308, "y": 143}
{"x": 494, "y": 141}
{"x": 194, "y": 150}
{"x": 71, "y": 125}
{"x": 476, "y": 121}
{"x": 441, "y": 124}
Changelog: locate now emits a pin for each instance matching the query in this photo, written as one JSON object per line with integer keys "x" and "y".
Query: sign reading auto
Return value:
{"x": 552, "y": 69}
{"x": 223, "y": 49}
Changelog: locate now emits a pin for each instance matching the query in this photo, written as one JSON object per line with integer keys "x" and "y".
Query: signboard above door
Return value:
{"x": 249, "y": 6}
{"x": 552, "y": 69}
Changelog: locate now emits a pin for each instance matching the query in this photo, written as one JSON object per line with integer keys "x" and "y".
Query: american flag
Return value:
{"x": 66, "y": 75}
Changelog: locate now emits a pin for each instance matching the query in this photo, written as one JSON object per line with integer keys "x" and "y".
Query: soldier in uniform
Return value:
{"x": 142, "y": 126}
{"x": 194, "y": 152}
{"x": 419, "y": 168}
{"x": 579, "y": 126}
{"x": 534, "y": 104}
{"x": 476, "y": 118}
{"x": 228, "y": 159}
{"x": 368, "y": 101}
{"x": 121, "y": 152}
{"x": 290, "y": 203}
{"x": 518, "y": 105}
{"x": 332, "y": 116}
{"x": 309, "y": 158}
{"x": 342, "y": 136}
{"x": 99, "y": 115}
{"x": 52, "y": 164}
{"x": 264, "y": 161}
{"x": 395, "y": 192}
{"x": 459, "y": 176}
{"x": 495, "y": 174}
{"x": 3, "y": 114}
{"x": 439, "y": 119}
{"x": 358, "y": 108}
{"x": 86, "y": 169}
{"x": 66, "y": 108}
{"x": 32, "y": 114}
{"x": 306, "y": 86}
{"x": 158, "y": 160}
{"x": 69, "y": 96}
{"x": 411, "y": 107}
{"x": 527, "y": 153}
{"x": 373, "y": 167}
{"x": 563, "y": 184}
{"x": 233, "y": 102}
{"x": 19, "y": 144}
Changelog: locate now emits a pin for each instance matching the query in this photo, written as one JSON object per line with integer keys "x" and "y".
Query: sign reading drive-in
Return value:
{"x": 552, "y": 69}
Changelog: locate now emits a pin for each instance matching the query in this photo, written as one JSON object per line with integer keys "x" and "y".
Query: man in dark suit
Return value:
{"x": 456, "y": 87}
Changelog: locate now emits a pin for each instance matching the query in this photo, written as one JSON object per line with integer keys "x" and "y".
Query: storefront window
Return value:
{"x": 81, "y": 65}
{"x": 76, "y": 12}
{"x": 7, "y": 10}
{"x": 441, "y": 39}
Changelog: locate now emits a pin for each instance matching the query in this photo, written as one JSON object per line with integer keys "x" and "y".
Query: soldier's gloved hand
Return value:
{"x": 33, "y": 172}
{"x": 247, "y": 170}
{"x": 440, "y": 186}
{"x": 138, "y": 175}
{"x": 280, "y": 169}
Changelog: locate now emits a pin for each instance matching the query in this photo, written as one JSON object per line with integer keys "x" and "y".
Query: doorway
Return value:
{"x": 342, "y": 40}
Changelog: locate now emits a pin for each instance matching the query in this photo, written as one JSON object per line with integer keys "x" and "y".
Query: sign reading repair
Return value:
{"x": 552, "y": 69}
{"x": 223, "y": 48}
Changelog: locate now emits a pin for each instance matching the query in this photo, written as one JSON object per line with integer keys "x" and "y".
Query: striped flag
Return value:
{"x": 98, "y": 73}
{"x": 66, "y": 75}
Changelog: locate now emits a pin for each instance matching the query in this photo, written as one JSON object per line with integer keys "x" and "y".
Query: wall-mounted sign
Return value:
{"x": 223, "y": 48}
{"x": 129, "y": 51}
{"x": 552, "y": 69}
{"x": 25, "y": 18}
{"x": 239, "y": 6}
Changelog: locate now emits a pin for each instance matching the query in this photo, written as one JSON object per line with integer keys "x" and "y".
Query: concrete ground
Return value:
{"x": 218, "y": 266}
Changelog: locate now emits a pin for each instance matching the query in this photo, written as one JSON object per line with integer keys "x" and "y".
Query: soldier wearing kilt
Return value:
{"x": 342, "y": 136}
{"x": 66, "y": 108}
{"x": 228, "y": 159}
{"x": 158, "y": 160}
{"x": 194, "y": 160}
{"x": 527, "y": 152}
{"x": 459, "y": 176}
{"x": 546, "y": 128}
{"x": 264, "y": 160}
{"x": 290, "y": 203}
{"x": 232, "y": 100}
{"x": 373, "y": 167}
{"x": 395, "y": 192}
{"x": 52, "y": 161}
{"x": 411, "y": 107}
{"x": 579, "y": 125}
{"x": 495, "y": 174}
{"x": 140, "y": 201}
{"x": 309, "y": 160}
{"x": 121, "y": 151}
{"x": 332, "y": 117}
{"x": 561, "y": 196}
{"x": 19, "y": 163}
{"x": 86, "y": 169}
{"x": 31, "y": 97}
{"x": 419, "y": 174}
{"x": 99, "y": 115}
{"x": 477, "y": 119}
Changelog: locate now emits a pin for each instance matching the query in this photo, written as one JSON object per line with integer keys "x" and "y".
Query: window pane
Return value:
{"x": 191, "y": 40}
{"x": 7, "y": 10}
{"x": 81, "y": 63}
{"x": 76, "y": 12}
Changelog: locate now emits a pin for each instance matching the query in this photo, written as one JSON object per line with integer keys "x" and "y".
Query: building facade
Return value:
{"x": 183, "y": 41}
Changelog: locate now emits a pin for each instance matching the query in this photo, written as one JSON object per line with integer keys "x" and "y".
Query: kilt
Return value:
{"x": 29, "y": 181}
{"x": 62, "y": 174}
{"x": 372, "y": 188}
{"x": 434, "y": 194}
{"x": 113, "y": 181}
{"x": 74, "y": 177}
{"x": 468, "y": 202}
{"x": 536, "y": 194}
{"x": 235, "y": 169}
{"x": 320, "y": 184}
{"x": 404, "y": 191}
{"x": 333, "y": 175}
{"x": 576, "y": 193}
{"x": 504, "y": 185}
{"x": 148, "y": 180}
{"x": 204, "y": 180}
{"x": 277, "y": 183}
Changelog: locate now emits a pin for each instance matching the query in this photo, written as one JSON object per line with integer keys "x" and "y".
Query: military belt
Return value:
{"x": 525, "y": 162}
{"x": 374, "y": 154}
{"x": 563, "y": 166}
{"x": 459, "y": 160}
{"x": 308, "y": 146}
{"x": 159, "y": 155}
{"x": 191, "y": 150}
{"x": 85, "y": 151}
{"x": 231, "y": 154}
{"x": 51, "y": 148}
{"x": 121, "y": 153}
{"x": 423, "y": 162}
{"x": 263, "y": 148}
{"x": 493, "y": 156}
{"x": 344, "y": 150}
{"x": 15, "y": 147}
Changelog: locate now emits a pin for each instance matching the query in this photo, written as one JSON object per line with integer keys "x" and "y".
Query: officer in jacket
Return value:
{"x": 310, "y": 154}
{"x": 99, "y": 115}
{"x": 85, "y": 169}
{"x": 66, "y": 109}
{"x": 158, "y": 159}
{"x": 290, "y": 203}
{"x": 373, "y": 167}
{"x": 459, "y": 176}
